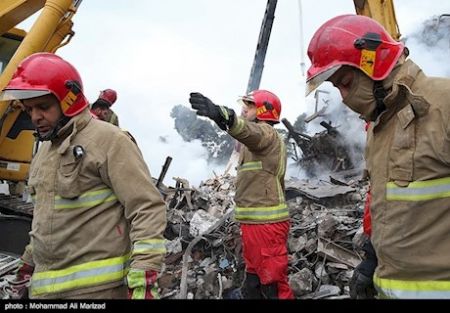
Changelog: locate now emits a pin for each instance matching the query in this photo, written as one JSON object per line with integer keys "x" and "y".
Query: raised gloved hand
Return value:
{"x": 19, "y": 286}
{"x": 142, "y": 284}
{"x": 361, "y": 283}
{"x": 223, "y": 116}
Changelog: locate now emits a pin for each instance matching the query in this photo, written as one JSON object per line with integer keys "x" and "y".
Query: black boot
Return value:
{"x": 270, "y": 291}
{"x": 252, "y": 287}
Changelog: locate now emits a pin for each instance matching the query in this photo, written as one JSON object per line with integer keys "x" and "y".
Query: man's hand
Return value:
{"x": 142, "y": 284}
{"x": 361, "y": 283}
{"x": 223, "y": 116}
{"x": 19, "y": 286}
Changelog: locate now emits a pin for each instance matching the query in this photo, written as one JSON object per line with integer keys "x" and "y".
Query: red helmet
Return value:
{"x": 352, "y": 40}
{"x": 108, "y": 95}
{"x": 46, "y": 73}
{"x": 268, "y": 105}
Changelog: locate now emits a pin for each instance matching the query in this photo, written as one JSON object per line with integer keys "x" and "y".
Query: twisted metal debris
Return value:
{"x": 204, "y": 259}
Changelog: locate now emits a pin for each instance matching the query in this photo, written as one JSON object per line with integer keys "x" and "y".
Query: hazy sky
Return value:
{"x": 155, "y": 52}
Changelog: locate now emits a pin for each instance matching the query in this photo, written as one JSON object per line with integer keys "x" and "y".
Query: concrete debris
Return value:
{"x": 8, "y": 265}
{"x": 317, "y": 191}
{"x": 174, "y": 246}
{"x": 337, "y": 253}
{"x": 204, "y": 255}
{"x": 201, "y": 221}
{"x": 327, "y": 291}
{"x": 302, "y": 282}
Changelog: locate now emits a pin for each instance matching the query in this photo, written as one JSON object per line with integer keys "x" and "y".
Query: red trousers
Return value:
{"x": 367, "y": 221}
{"x": 265, "y": 254}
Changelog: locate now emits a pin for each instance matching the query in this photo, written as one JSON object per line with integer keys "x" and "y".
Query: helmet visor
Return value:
{"x": 316, "y": 81}
{"x": 248, "y": 99}
{"x": 17, "y": 94}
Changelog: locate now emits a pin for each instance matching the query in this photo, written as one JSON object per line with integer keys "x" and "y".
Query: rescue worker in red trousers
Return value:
{"x": 260, "y": 205}
{"x": 407, "y": 151}
{"x": 98, "y": 223}
{"x": 102, "y": 106}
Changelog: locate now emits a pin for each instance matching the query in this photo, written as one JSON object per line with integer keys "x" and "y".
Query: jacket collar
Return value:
{"x": 402, "y": 93}
{"x": 67, "y": 133}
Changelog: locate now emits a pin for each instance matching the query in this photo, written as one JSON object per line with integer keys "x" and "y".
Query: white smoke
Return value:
{"x": 429, "y": 46}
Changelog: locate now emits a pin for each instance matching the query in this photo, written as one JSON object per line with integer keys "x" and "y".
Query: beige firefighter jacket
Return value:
{"x": 96, "y": 215}
{"x": 260, "y": 180}
{"x": 112, "y": 118}
{"x": 408, "y": 158}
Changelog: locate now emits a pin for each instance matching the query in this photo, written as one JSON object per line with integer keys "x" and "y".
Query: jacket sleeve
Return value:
{"x": 256, "y": 136}
{"x": 143, "y": 205}
{"x": 27, "y": 255}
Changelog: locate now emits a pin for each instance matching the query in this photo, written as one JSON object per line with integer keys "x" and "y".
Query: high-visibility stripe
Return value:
{"x": 151, "y": 246}
{"x": 401, "y": 289}
{"x": 142, "y": 284}
{"x": 137, "y": 283}
{"x": 79, "y": 276}
{"x": 281, "y": 169}
{"x": 251, "y": 166}
{"x": 262, "y": 213}
{"x": 419, "y": 190}
{"x": 86, "y": 200}
{"x": 224, "y": 113}
{"x": 238, "y": 127}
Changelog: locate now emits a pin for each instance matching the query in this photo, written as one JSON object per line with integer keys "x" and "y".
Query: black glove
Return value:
{"x": 223, "y": 116}
{"x": 361, "y": 283}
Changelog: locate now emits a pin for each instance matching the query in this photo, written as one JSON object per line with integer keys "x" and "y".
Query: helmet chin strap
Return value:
{"x": 52, "y": 134}
{"x": 379, "y": 93}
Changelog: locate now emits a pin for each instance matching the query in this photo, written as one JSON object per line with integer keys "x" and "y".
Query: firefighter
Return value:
{"x": 98, "y": 218}
{"x": 102, "y": 106}
{"x": 407, "y": 152}
{"x": 260, "y": 205}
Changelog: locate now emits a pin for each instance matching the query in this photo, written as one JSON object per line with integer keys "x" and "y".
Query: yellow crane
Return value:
{"x": 382, "y": 11}
{"x": 51, "y": 30}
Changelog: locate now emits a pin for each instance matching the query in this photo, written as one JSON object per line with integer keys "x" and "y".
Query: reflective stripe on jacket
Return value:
{"x": 79, "y": 276}
{"x": 260, "y": 180}
{"x": 408, "y": 158}
{"x": 412, "y": 289}
{"x": 92, "y": 211}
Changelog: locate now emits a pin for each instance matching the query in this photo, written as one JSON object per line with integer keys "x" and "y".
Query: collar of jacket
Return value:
{"x": 402, "y": 89}
{"x": 75, "y": 125}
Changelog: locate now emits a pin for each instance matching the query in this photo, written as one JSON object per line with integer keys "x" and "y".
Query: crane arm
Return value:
{"x": 382, "y": 11}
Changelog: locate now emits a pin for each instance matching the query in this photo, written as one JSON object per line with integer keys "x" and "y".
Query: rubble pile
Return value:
{"x": 8, "y": 264}
{"x": 204, "y": 257}
{"x": 204, "y": 251}
{"x": 325, "y": 236}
